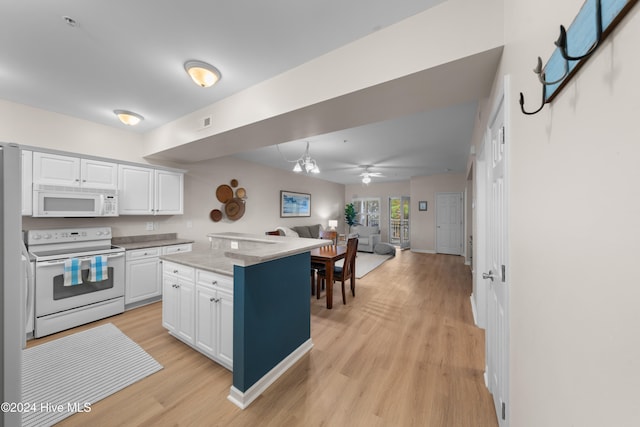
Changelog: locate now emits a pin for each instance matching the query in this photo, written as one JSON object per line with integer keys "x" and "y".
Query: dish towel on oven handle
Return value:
{"x": 72, "y": 272}
{"x": 98, "y": 269}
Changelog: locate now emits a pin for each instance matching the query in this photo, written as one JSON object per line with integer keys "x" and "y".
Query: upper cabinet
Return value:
{"x": 147, "y": 191}
{"x": 169, "y": 188}
{"x": 67, "y": 171}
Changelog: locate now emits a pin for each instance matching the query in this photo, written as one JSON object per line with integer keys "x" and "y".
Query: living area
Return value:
{"x": 262, "y": 213}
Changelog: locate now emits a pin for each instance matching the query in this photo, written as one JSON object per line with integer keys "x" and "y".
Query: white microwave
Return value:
{"x": 55, "y": 201}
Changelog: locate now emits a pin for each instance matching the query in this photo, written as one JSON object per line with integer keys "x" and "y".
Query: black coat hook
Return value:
{"x": 540, "y": 72}
{"x": 561, "y": 43}
{"x": 544, "y": 100}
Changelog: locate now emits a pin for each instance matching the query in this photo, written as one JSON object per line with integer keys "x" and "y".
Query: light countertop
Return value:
{"x": 148, "y": 241}
{"x": 229, "y": 249}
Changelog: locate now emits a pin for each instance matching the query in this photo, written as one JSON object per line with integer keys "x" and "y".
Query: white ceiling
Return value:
{"x": 130, "y": 55}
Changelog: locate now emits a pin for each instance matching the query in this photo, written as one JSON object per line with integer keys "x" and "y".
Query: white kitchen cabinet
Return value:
{"x": 214, "y": 317}
{"x": 98, "y": 174}
{"x": 27, "y": 182}
{"x": 68, "y": 171}
{"x": 147, "y": 191}
{"x": 144, "y": 273}
{"x": 174, "y": 249}
{"x": 169, "y": 197}
{"x": 136, "y": 186}
{"x": 199, "y": 310}
{"x": 178, "y": 301}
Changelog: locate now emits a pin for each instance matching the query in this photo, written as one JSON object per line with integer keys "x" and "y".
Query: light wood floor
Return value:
{"x": 404, "y": 352}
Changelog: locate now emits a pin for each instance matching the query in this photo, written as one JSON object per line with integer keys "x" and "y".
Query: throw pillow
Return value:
{"x": 314, "y": 230}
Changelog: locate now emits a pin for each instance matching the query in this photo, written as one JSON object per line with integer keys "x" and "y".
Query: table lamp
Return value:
{"x": 333, "y": 223}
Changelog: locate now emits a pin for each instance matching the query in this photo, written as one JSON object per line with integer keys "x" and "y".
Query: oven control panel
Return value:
{"x": 67, "y": 235}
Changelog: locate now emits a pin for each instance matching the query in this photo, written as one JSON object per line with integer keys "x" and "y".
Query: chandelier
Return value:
{"x": 306, "y": 163}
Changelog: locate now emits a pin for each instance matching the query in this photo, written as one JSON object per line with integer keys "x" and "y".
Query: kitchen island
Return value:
{"x": 244, "y": 302}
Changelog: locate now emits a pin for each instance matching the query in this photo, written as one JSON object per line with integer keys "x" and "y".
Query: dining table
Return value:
{"x": 327, "y": 256}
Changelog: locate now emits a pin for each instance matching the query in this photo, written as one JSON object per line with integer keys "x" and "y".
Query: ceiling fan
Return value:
{"x": 366, "y": 175}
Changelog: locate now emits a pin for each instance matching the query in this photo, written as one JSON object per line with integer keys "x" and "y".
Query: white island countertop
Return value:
{"x": 229, "y": 249}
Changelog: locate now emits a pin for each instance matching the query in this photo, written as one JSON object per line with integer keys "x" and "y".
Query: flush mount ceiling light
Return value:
{"x": 203, "y": 74}
{"x": 129, "y": 118}
{"x": 306, "y": 163}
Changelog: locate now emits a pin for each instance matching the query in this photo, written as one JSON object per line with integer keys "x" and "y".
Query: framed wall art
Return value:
{"x": 422, "y": 206}
{"x": 294, "y": 204}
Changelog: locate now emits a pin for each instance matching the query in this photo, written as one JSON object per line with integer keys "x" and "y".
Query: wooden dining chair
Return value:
{"x": 344, "y": 273}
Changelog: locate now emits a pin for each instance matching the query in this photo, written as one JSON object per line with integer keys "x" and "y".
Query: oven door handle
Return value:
{"x": 118, "y": 255}
{"x": 88, "y": 258}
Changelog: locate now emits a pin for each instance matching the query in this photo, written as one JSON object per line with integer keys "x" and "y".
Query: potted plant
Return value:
{"x": 350, "y": 215}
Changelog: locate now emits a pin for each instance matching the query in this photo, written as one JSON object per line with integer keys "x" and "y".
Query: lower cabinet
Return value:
{"x": 178, "y": 301}
{"x": 208, "y": 304}
{"x": 143, "y": 280}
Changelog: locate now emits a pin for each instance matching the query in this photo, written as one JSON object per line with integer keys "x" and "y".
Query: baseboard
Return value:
{"x": 242, "y": 400}
{"x": 423, "y": 251}
{"x": 138, "y": 304}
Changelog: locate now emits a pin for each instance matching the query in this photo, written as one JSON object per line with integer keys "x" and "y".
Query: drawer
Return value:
{"x": 214, "y": 279}
{"x": 176, "y": 248}
{"x": 178, "y": 270}
{"x": 143, "y": 253}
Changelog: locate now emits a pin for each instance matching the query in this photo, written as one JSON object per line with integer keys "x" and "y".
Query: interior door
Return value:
{"x": 449, "y": 223}
{"x": 495, "y": 272}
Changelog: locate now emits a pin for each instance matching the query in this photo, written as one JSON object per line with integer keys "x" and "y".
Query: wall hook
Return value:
{"x": 561, "y": 43}
{"x": 530, "y": 113}
{"x": 540, "y": 72}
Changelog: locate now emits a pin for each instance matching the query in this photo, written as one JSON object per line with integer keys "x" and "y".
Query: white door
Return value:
{"x": 449, "y": 223}
{"x": 495, "y": 269}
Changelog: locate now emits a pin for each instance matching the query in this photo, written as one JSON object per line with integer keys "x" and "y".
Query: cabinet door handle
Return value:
{"x": 215, "y": 282}
{"x": 175, "y": 271}
{"x": 212, "y": 299}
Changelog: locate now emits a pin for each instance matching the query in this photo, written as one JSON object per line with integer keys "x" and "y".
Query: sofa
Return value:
{"x": 308, "y": 231}
{"x": 368, "y": 237}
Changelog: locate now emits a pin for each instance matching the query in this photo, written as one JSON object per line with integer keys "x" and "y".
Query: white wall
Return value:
{"x": 39, "y": 128}
{"x": 573, "y": 231}
{"x": 32, "y": 126}
{"x": 263, "y": 185}
{"x": 423, "y": 223}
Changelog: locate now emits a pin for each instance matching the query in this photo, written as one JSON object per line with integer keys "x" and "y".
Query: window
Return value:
{"x": 368, "y": 211}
